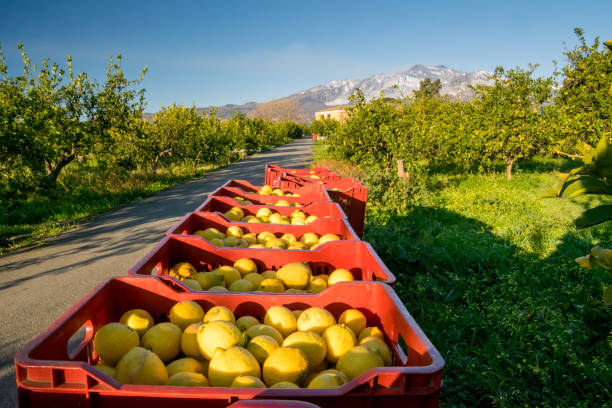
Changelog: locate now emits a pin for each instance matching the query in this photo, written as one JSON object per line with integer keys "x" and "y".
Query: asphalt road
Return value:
{"x": 38, "y": 285}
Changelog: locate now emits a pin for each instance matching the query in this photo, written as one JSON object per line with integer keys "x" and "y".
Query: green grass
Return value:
{"x": 487, "y": 269}
{"x": 92, "y": 191}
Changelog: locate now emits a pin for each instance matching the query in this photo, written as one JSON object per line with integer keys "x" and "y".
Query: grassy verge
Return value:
{"x": 86, "y": 191}
{"x": 487, "y": 269}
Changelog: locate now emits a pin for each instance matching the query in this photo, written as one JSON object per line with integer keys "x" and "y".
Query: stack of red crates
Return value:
{"x": 54, "y": 372}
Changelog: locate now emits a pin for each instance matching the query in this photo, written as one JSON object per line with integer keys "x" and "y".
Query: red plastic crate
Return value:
{"x": 266, "y": 199}
{"x": 356, "y": 256}
{"x": 273, "y": 172}
{"x": 310, "y": 192}
{"x": 192, "y": 222}
{"x": 350, "y": 193}
{"x": 48, "y": 375}
{"x": 320, "y": 208}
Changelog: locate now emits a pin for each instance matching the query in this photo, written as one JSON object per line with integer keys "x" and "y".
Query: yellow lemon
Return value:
{"x": 310, "y": 343}
{"x": 285, "y": 364}
{"x": 138, "y": 319}
{"x": 258, "y": 246}
{"x": 187, "y": 379}
{"x": 295, "y": 275}
{"x": 164, "y": 339}
{"x": 192, "y": 284}
{"x": 141, "y": 366}
{"x": 297, "y": 221}
{"x": 245, "y": 322}
{"x": 217, "y": 334}
{"x": 275, "y": 243}
{"x": 211, "y": 233}
{"x": 251, "y": 238}
{"x": 230, "y": 241}
{"x": 265, "y": 330}
{"x": 108, "y": 370}
{"x": 340, "y": 275}
{"x": 182, "y": 270}
{"x": 327, "y": 238}
{"x": 379, "y": 346}
{"x": 326, "y": 380}
{"x": 230, "y": 274}
{"x": 285, "y": 385}
{"x": 269, "y": 274}
{"x": 282, "y": 203}
{"x": 247, "y": 381}
{"x": 226, "y": 365}
{"x": 275, "y": 218}
{"x": 185, "y": 364}
{"x": 218, "y": 242}
{"x": 219, "y": 313}
{"x": 324, "y": 277}
{"x": 298, "y": 246}
{"x": 263, "y": 212}
{"x": 241, "y": 243}
{"x": 185, "y": 313}
{"x": 297, "y": 314}
{"x": 272, "y": 285}
{"x": 254, "y": 278}
{"x": 310, "y": 219}
{"x": 282, "y": 319}
{"x": 354, "y": 319}
{"x": 245, "y": 266}
{"x": 278, "y": 192}
{"x": 218, "y": 289}
{"x": 261, "y": 347}
{"x": 309, "y": 239}
{"x": 189, "y": 341}
{"x": 315, "y": 319}
{"x": 289, "y": 238}
{"x": 263, "y": 237}
{"x": 292, "y": 290}
{"x": 358, "y": 361}
{"x": 266, "y": 190}
{"x": 113, "y": 340}
{"x": 316, "y": 285}
{"x": 209, "y": 279}
{"x": 234, "y": 231}
{"x": 339, "y": 339}
{"x": 242, "y": 285}
{"x": 370, "y": 331}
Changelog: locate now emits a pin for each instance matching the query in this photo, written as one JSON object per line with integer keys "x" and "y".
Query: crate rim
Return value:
{"x": 23, "y": 359}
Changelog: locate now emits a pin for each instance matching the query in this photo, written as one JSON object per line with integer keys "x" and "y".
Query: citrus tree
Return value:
{"x": 512, "y": 108}
{"x": 583, "y": 98}
{"x": 57, "y": 115}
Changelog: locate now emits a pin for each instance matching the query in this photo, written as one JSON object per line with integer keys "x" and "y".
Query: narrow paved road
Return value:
{"x": 38, "y": 285}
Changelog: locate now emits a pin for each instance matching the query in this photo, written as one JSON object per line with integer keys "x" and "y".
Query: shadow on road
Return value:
{"x": 75, "y": 261}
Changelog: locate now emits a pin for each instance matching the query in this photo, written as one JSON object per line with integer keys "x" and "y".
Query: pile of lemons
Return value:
{"x": 269, "y": 216}
{"x": 236, "y": 237}
{"x": 287, "y": 349}
{"x": 243, "y": 276}
{"x": 268, "y": 190}
{"x": 279, "y": 203}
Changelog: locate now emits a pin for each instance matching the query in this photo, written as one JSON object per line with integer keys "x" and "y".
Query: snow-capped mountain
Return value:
{"x": 454, "y": 84}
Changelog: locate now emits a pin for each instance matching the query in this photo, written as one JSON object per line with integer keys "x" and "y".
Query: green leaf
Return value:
{"x": 607, "y": 295}
{"x": 584, "y": 185}
{"x": 594, "y": 216}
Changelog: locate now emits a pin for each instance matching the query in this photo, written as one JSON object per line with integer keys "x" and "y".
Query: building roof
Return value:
{"x": 340, "y": 108}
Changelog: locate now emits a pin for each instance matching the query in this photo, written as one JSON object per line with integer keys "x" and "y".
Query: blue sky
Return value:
{"x": 217, "y": 52}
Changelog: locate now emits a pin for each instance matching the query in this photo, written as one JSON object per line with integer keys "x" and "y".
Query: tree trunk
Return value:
{"x": 53, "y": 171}
{"x": 509, "y": 163}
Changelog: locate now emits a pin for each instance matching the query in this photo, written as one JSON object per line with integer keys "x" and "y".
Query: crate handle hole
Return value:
{"x": 156, "y": 270}
{"x": 79, "y": 340}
